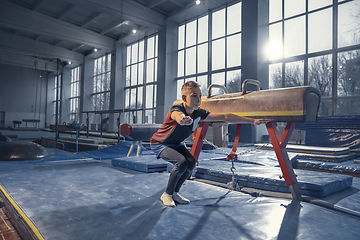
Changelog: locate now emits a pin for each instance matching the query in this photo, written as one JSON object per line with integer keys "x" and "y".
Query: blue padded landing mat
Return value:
{"x": 316, "y": 184}
{"x": 333, "y": 131}
{"x": 326, "y": 158}
{"x": 332, "y": 151}
{"x": 258, "y": 170}
{"x": 144, "y": 163}
{"x": 349, "y": 168}
{"x": 324, "y": 154}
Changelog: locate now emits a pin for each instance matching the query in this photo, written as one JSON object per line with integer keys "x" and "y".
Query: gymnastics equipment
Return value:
{"x": 22, "y": 151}
{"x": 138, "y": 133}
{"x": 295, "y": 104}
{"x": 4, "y": 139}
{"x": 291, "y": 105}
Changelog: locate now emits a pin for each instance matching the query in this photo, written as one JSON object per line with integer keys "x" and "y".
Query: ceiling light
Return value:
{"x": 198, "y": 2}
{"x": 134, "y": 31}
{"x": 69, "y": 62}
{"x": 95, "y": 49}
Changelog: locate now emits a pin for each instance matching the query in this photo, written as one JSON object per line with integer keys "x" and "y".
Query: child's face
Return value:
{"x": 192, "y": 98}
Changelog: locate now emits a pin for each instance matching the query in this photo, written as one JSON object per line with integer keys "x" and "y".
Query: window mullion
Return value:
{"x": 210, "y": 12}
{"x": 185, "y": 48}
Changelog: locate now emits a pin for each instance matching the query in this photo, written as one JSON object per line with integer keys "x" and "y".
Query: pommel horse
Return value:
{"x": 138, "y": 133}
{"x": 291, "y": 105}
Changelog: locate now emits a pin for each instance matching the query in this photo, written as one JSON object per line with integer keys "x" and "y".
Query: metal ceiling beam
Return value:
{"x": 115, "y": 26}
{"x": 15, "y": 17}
{"x": 66, "y": 11}
{"x": 141, "y": 33}
{"x": 58, "y": 42}
{"x": 14, "y": 59}
{"x": 177, "y": 3}
{"x": 23, "y": 45}
{"x": 191, "y": 10}
{"x": 154, "y": 3}
{"x": 126, "y": 9}
{"x": 37, "y": 38}
{"x": 90, "y": 19}
{"x": 78, "y": 47}
{"x": 37, "y": 5}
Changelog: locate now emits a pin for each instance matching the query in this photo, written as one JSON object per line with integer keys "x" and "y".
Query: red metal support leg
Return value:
{"x": 232, "y": 155}
{"x": 279, "y": 143}
{"x": 200, "y": 134}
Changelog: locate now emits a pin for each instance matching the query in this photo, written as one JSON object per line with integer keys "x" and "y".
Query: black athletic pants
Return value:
{"x": 183, "y": 162}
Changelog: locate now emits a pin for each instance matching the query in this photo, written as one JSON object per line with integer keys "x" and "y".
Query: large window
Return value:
{"x": 101, "y": 85}
{"x": 317, "y": 43}
{"x": 211, "y": 58}
{"x": 141, "y": 75}
{"x": 74, "y": 94}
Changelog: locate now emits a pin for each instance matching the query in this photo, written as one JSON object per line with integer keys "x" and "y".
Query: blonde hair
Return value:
{"x": 188, "y": 85}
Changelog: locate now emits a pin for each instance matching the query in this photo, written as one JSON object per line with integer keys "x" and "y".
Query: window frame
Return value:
{"x": 74, "y": 99}
{"x": 136, "y": 107}
{"x": 210, "y": 73}
{"x": 334, "y": 52}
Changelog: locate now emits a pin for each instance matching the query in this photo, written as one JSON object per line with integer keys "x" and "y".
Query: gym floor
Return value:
{"x": 77, "y": 196}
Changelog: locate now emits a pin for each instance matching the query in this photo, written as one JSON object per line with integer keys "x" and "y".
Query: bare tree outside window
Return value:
{"x": 233, "y": 82}
{"x": 349, "y": 82}
{"x": 101, "y": 86}
{"x": 320, "y": 74}
{"x": 320, "y": 77}
{"x": 275, "y": 76}
{"x": 348, "y": 70}
{"x": 294, "y": 74}
{"x": 349, "y": 73}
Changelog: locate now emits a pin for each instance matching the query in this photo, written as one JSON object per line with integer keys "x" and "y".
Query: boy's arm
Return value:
{"x": 232, "y": 118}
{"x": 181, "y": 119}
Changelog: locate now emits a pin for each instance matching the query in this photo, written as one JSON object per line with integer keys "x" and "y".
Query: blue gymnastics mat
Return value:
{"x": 326, "y": 158}
{"x": 144, "y": 163}
{"x": 258, "y": 171}
{"x": 331, "y": 151}
{"x": 315, "y": 184}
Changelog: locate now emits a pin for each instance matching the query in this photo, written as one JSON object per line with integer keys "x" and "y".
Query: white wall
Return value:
{"x": 22, "y": 94}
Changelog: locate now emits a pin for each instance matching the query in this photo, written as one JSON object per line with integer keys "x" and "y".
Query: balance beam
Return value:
{"x": 35, "y": 121}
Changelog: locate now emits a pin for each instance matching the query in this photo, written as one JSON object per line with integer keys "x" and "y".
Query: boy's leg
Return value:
{"x": 180, "y": 167}
{"x": 190, "y": 166}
